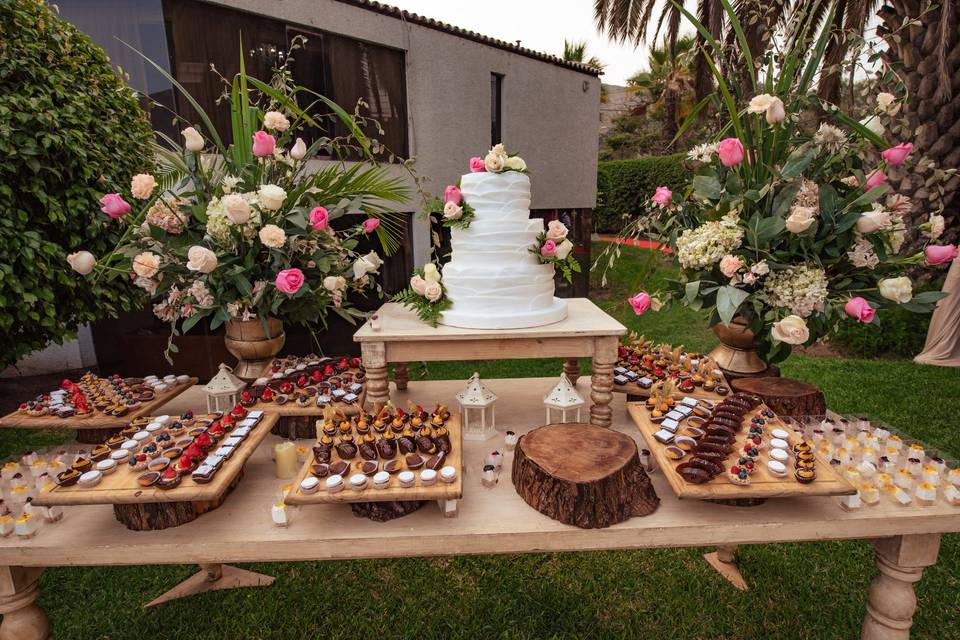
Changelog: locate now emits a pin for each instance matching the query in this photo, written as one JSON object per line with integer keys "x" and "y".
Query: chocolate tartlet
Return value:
{"x": 392, "y": 466}
{"x": 414, "y": 461}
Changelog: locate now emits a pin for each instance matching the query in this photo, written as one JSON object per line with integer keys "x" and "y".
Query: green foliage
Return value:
{"x": 896, "y": 332}
{"x": 434, "y": 210}
{"x": 428, "y": 312}
{"x": 624, "y": 186}
{"x": 69, "y": 131}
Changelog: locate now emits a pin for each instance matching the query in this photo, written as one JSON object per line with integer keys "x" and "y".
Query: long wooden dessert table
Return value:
{"x": 397, "y": 335}
{"x": 490, "y": 521}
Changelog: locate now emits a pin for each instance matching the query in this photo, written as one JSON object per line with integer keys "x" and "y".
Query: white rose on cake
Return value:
{"x": 431, "y": 273}
{"x": 792, "y": 330}
{"x": 419, "y": 285}
{"x": 515, "y": 163}
{"x": 433, "y": 291}
{"x": 494, "y": 162}
{"x": 564, "y": 249}
{"x": 452, "y": 211}
{"x": 556, "y": 231}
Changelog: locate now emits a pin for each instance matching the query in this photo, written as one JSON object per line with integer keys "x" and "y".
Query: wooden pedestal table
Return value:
{"x": 491, "y": 521}
{"x": 586, "y": 332}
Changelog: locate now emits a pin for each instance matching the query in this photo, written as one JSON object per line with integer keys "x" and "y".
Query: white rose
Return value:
{"x": 886, "y": 102}
{"x": 516, "y": 163}
{"x": 761, "y": 268}
{"x": 201, "y": 259}
{"x": 366, "y": 264}
{"x": 556, "y": 231}
{"x": 873, "y": 124}
{"x": 776, "y": 112}
{"x": 334, "y": 283}
{"x": 897, "y": 289}
{"x": 760, "y": 103}
{"x": 493, "y": 162}
{"x": 729, "y": 265}
{"x": 271, "y": 196}
{"x": 418, "y": 284}
{"x": 146, "y": 264}
{"x": 272, "y": 236}
{"x": 433, "y": 291}
{"x": 82, "y": 262}
{"x": 792, "y": 330}
{"x": 192, "y": 140}
{"x": 298, "y": 150}
{"x": 500, "y": 150}
{"x": 430, "y": 272}
{"x": 934, "y": 227}
{"x": 276, "y": 121}
{"x": 800, "y": 219}
{"x": 452, "y": 211}
{"x": 564, "y": 249}
{"x": 238, "y": 210}
{"x": 873, "y": 220}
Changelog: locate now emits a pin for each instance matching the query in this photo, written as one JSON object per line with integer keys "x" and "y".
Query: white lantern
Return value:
{"x": 477, "y": 412}
{"x": 222, "y": 390}
{"x": 563, "y": 398}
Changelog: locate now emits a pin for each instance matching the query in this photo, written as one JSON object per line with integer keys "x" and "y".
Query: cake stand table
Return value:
{"x": 401, "y": 337}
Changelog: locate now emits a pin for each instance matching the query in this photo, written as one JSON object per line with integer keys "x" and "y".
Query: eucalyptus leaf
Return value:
{"x": 798, "y": 161}
{"x": 729, "y": 300}
{"x": 706, "y": 187}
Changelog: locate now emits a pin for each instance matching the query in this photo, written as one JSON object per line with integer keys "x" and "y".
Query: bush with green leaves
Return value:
{"x": 624, "y": 187}
{"x": 70, "y": 130}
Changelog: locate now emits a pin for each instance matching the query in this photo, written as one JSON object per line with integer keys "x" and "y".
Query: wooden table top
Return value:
{"x": 490, "y": 520}
{"x": 398, "y": 324}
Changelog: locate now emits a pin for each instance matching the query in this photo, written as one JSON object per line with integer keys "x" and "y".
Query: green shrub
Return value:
{"x": 70, "y": 130}
{"x": 895, "y": 333}
{"x": 624, "y": 186}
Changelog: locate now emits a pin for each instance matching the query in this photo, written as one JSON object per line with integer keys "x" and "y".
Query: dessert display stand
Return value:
{"x": 492, "y": 520}
{"x": 582, "y": 475}
{"x": 586, "y": 332}
{"x": 787, "y": 397}
{"x": 95, "y": 428}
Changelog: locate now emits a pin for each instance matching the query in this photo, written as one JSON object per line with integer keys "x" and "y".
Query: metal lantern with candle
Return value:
{"x": 477, "y": 399}
{"x": 563, "y": 398}
{"x": 223, "y": 389}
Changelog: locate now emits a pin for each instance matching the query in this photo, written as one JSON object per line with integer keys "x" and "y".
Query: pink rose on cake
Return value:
{"x": 477, "y": 165}
{"x": 549, "y": 249}
{"x": 452, "y": 194}
{"x": 556, "y": 231}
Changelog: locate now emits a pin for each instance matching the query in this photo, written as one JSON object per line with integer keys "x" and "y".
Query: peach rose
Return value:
{"x": 433, "y": 291}
{"x": 142, "y": 185}
{"x": 556, "y": 231}
{"x": 272, "y": 236}
{"x": 201, "y": 259}
{"x": 82, "y": 262}
{"x": 146, "y": 264}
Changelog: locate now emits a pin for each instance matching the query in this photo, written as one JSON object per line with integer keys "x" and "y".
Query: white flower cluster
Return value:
{"x": 702, "y": 152}
{"x": 801, "y": 289}
{"x": 863, "y": 255}
{"x": 219, "y": 221}
{"x": 708, "y": 243}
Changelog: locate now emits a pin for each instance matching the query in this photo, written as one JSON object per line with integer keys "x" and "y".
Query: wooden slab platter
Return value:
{"x": 438, "y": 491}
{"x": 636, "y": 391}
{"x": 639, "y": 359}
{"x": 762, "y": 484}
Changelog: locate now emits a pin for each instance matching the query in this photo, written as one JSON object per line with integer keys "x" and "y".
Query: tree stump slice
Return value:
{"x": 786, "y": 396}
{"x": 296, "y": 427}
{"x": 583, "y": 475}
{"x": 154, "y": 516}
{"x": 384, "y": 511}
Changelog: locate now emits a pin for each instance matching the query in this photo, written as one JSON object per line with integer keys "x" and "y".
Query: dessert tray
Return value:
{"x": 730, "y": 450}
{"x": 304, "y": 386}
{"x": 163, "y": 459}
{"x": 641, "y": 365}
{"x": 93, "y": 402}
{"x": 396, "y": 455}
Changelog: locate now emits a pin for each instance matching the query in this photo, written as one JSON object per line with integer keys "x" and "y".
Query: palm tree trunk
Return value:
{"x": 829, "y": 87}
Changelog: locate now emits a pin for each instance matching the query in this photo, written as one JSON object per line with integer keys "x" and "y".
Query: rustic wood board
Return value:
{"x": 97, "y": 420}
{"x": 293, "y": 409}
{"x": 439, "y": 491}
{"x": 762, "y": 484}
{"x": 120, "y": 487}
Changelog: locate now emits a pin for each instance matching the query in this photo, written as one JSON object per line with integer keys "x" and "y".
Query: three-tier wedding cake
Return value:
{"x": 493, "y": 279}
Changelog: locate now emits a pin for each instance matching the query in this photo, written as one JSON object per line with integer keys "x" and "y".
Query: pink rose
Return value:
{"x": 263, "y": 144}
{"x": 859, "y": 309}
{"x": 114, "y": 206}
{"x": 730, "y": 151}
{"x": 549, "y": 249}
{"x": 477, "y": 165}
{"x": 875, "y": 179}
{"x": 319, "y": 218}
{"x": 370, "y": 224}
{"x": 896, "y": 155}
{"x": 937, "y": 254}
{"x": 452, "y": 194}
{"x": 662, "y": 196}
{"x": 289, "y": 281}
{"x": 640, "y": 303}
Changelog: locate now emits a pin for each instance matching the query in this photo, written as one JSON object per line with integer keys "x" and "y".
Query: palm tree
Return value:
{"x": 669, "y": 81}
{"x": 576, "y": 51}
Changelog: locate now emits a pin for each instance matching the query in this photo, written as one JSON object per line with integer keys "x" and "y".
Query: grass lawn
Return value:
{"x": 812, "y": 590}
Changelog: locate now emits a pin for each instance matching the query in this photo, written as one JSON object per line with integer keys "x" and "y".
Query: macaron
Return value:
{"x": 406, "y": 479}
{"x": 779, "y": 433}
{"x": 779, "y": 443}
{"x": 777, "y": 469}
{"x": 106, "y": 467}
{"x": 778, "y": 455}
{"x": 90, "y": 478}
{"x": 381, "y": 480}
{"x": 310, "y": 485}
{"x": 358, "y": 482}
{"x": 448, "y": 474}
{"x": 120, "y": 455}
{"x": 334, "y": 483}
{"x": 428, "y": 477}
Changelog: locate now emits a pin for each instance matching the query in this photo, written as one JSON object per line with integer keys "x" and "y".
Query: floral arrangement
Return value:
{"x": 245, "y": 231}
{"x": 425, "y": 295}
{"x": 452, "y": 210}
{"x": 790, "y": 225}
{"x": 498, "y": 160}
{"x": 553, "y": 247}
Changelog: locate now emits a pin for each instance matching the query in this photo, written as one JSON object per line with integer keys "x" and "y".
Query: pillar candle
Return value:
{"x": 285, "y": 455}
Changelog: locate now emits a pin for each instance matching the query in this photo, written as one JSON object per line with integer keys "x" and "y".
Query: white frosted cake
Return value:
{"x": 492, "y": 279}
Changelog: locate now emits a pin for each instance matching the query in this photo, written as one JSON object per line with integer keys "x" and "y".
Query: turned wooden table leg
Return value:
{"x": 601, "y": 384}
{"x": 375, "y": 360}
{"x": 401, "y": 375}
{"x": 22, "y": 618}
{"x": 891, "y": 601}
{"x": 571, "y": 367}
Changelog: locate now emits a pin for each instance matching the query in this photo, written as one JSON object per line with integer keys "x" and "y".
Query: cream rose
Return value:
{"x": 431, "y": 273}
{"x": 433, "y": 291}
{"x": 298, "y": 150}
{"x": 452, "y": 211}
{"x": 272, "y": 236}
{"x": 792, "y": 330}
{"x": 515, "y": 163}
{"x": 201, "y": 259}
{"x": 142, "y": 185}
{"x": 418, "y": 284}
{"x": 271, "y": 196}
{"x": 146, "y": 264}
{"x": 334, "y": 283}
{"x": 899, "y": 290}
{"x": 238, "y": 210}
{"x": 655, "y": 304}
{"x": 800, "y": 219}
{"x": 276, "y": 121}
{"x": 366, "y": 264}
{"x": 887, "y": 103}
{"x": 192, "y": 140}
{"x": 493, "y": 162}
{"x": 556, "y": 231}
{"x": 761, "y": 268}
{"x": 873, "y": 124}
{"x": 729, "y": 265}
{"x": 564, "y": 249}
{"x": 873, "y": 220}
{"x": 82, "y": 262}
{"x": 760, "y": 103}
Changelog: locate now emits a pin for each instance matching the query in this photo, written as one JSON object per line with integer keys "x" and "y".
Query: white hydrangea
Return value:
{"x": 863, "y": 255}
{"x": 708, "y": 243}
{"x": 801, "y": 289}
{"x": 219, "y": 225}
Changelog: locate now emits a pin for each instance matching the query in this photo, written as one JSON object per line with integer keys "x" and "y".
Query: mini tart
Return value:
{"x": 99, "y": 452}
{"x": 68, "y": 478}
{"x": 169, "y": 478}
{"x": 148, "y": 479}
{"x": 805, "y": 476}
{"x": 674, "y": 453}
{"x": 413, "y": 461}
{"x": 738, "y": 476}
{"x": 82, "y": 464}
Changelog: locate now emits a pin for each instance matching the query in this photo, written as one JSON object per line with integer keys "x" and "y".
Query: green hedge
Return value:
{"x": 623, "y": 186}
{"x": 896, "y": 333}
